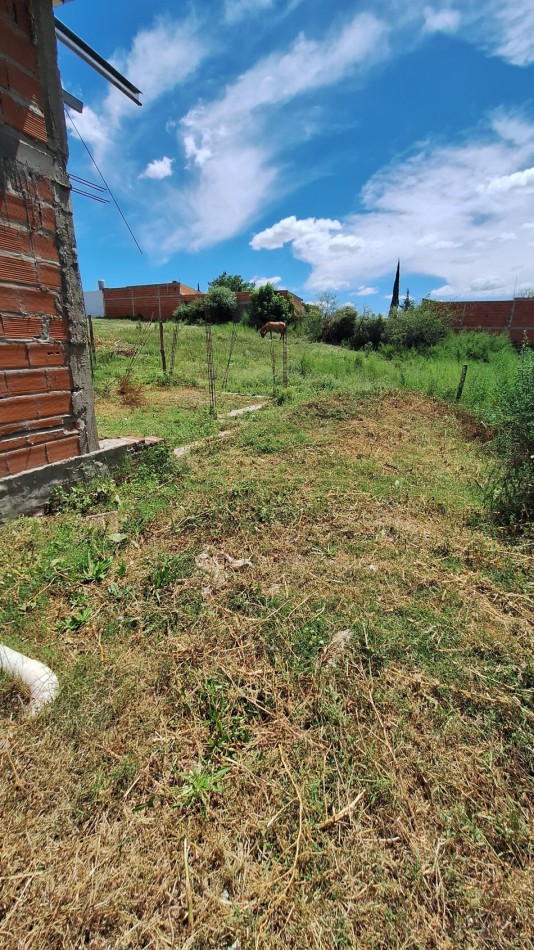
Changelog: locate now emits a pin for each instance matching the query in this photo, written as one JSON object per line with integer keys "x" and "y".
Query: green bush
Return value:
{"x": 190, "y": 313}
{"x": 266, "y": 304}
{"x": 368, "y": 329}
{"x": 510, "y": 492}
{"x": 416, "y": 329}
{"x": 221, "y": 304}
{"x": 339, "y": 328}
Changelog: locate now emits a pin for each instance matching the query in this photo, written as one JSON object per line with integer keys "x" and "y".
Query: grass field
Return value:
{"x": 330, "y": 746}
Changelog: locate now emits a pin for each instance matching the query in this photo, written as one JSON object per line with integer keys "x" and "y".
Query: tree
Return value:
{"x": 221, "y": 304}
{"x": 407, "y": 303}
{"x": 266, "y": 304}
{"x": 339, "y": 327}
{"x": 233, "y": 282}
{"x": 527, "y": 293}
{"x": 327, "y": 303}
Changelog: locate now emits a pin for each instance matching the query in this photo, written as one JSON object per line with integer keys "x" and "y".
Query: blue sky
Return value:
{"x": 313, "y": 149}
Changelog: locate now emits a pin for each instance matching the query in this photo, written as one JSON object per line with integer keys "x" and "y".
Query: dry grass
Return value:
{"x": 221, "y": 768}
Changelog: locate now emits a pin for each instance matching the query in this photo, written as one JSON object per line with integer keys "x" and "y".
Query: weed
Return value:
{"x": 199, "y": 785}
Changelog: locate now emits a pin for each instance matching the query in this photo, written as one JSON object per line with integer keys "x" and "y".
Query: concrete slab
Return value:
{"x": 244, "y": 409}
{"x": 191, "y": 446}
{"x": 27, "y": 493}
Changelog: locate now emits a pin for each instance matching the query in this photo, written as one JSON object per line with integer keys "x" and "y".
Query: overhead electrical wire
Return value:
{"x": 115, "y": 202}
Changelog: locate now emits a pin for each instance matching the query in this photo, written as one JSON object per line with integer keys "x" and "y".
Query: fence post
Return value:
{"x": 461, "y": 383}
{"x": 284, "y": 360}
{"x": 162, "y": 347}
{"x": 211, "y": 368}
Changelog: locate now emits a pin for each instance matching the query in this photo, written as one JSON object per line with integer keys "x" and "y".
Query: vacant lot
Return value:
{"x": 328, "y": 746}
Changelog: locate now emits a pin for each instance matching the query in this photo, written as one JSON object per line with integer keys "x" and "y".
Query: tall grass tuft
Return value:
{"x": 511, "y": 486}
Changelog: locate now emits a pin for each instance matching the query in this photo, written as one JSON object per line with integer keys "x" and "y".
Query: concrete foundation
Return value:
{"x": 28, "y": 493}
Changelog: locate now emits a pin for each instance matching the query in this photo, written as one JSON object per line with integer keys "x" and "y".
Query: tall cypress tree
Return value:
{"x": 395, "y": 297}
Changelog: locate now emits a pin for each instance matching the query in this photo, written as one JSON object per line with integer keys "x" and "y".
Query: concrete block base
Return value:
{"x": 27, "y": 493}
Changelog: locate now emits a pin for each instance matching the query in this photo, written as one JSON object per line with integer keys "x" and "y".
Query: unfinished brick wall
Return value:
{"x": 46, "y": 400}
{"x": 515, "y": 317}
{"x": 148, "y": 301}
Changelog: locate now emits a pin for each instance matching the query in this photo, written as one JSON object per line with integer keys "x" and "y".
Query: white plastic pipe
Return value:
{"x": 42, "y": 683}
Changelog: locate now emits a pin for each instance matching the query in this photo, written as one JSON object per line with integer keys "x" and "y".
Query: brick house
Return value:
{"x": 46, "y": 396}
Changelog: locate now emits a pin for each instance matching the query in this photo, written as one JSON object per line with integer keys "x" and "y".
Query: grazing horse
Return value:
{"x": 273, "y": 327}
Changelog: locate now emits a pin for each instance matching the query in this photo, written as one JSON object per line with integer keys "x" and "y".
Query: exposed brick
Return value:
{"x": 58, "y": 379}
{"x": 44, "y": 354}
{"x": 3, "y": 468}
{"x": 23, "y": 459}
{"x": 15, "y": 240}
{"x": 4, "y": 81}
{"x": 28, "y": 425}
{"x": 53, "y": 404}
{"x": 18, "y": 270}
{"x": 25, "y": 86}
{"x": 63, "y": 449}
{"x": 14, "y": 356}
{"x": 49, "y": 275}
{"x": 44, "y": 189}
{"x": 18, "y": 409}
{"x": 11, "y": 444}
{"x": 38, "y": 438}
{"x": 15, "y": 46}
{"x": 3, "y": 385}
{"x": 21, "y": 16}
{"x": 23, "y": 118}
{"x": 21, "y": 328}
{"x": 58, "y": 329}
{"x": 27, "y": 211}
{"x": 19, "y": 299}
{"x": 45, "y": 248}
{"x": 26, "y": 382}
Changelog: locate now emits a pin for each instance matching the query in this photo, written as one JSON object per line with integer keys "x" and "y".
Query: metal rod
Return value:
{"x": 461, "y": 383}
{"x": 232, "y": 341}
{"x": 90, "y": 56}
{"x": 101, "y": 201}
{"x": 162, "y": 347}
{"x": 273, "y": 364}
{"x": 211, "y": 369}
{"x": 84, "y": 181}
{"x": 174, "y": 345}
{"x": 284, "y": 360}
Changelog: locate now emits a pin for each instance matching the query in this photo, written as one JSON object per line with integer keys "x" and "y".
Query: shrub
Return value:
{"x": 312, "y": 322}
{"x": 221, "y": 304}
{"x": 416, "y": 329}
{"x": 339, "y": 328}
{"x": 266, "y": 304}
{"x": 368, "y": 329}
{"x": 510, "y": 492}
{"x": 190, "y": 312}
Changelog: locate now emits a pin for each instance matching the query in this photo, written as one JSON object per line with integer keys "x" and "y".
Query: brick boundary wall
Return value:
{"x": 46, "y": 399}
{"x": 514, "y": 317}
{"x": 159, "y": 301}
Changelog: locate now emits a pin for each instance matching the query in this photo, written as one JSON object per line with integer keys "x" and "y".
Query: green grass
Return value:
{"x": 209, "y": 717}
{"x": 176, "y": 407}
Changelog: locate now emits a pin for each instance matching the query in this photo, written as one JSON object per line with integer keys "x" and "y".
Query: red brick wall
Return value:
{"x": 36, "y": 424}
{"x": 149, "y": 301}
{"x": 515, "y": 317}
{"x": 152, "y": 301}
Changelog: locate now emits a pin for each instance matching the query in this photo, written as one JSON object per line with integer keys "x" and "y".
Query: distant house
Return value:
{"x": 514, "y": 317}
{"x": 155, "y": 301}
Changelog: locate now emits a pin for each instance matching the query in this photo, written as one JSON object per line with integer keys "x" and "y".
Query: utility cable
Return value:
{"x": 115, "y": 202}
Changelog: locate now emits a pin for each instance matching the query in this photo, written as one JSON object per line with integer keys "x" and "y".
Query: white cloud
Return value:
{"x": 230, "y": 145}
{"x": 235, "y": 10}
{"x": 159, "y": 168}
{"x": 520, "y": 179}
{"x": 261, "y": 281}
{"x": 431, "y": 211}
{"x": 445, "y": 20}
{"x": 365, "y": 291}
{"x": 160, "y": 58}
{"x": 482, "y": 284}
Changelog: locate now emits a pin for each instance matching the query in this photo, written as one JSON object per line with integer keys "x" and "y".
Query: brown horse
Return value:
{"x": 273, "y": 327}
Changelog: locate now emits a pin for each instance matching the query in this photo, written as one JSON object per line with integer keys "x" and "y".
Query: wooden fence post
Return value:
{"x": 162, "y": 347}
{"x": 461, "y": 383}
